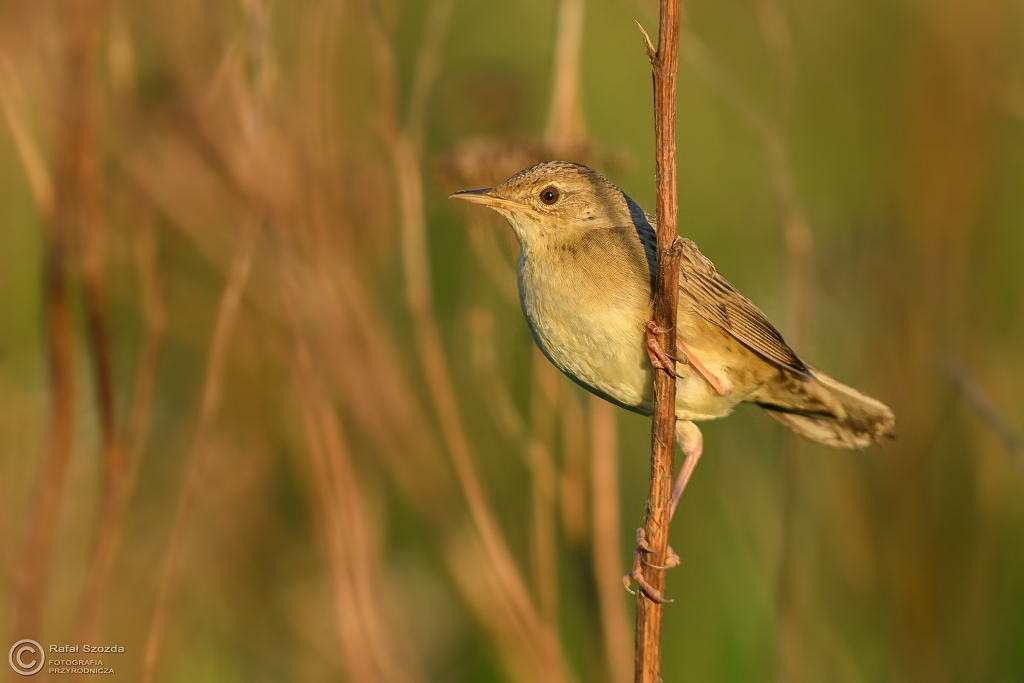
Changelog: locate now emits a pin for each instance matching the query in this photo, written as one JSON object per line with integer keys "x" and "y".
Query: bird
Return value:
{"x": 586, "y": 272}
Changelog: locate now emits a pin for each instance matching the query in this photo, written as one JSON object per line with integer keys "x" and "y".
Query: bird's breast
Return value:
{"x": 591, "y": 327}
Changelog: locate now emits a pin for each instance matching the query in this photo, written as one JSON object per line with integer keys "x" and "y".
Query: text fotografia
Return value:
{"x": 74, "y": 649}
{"x": 78, "y": 666}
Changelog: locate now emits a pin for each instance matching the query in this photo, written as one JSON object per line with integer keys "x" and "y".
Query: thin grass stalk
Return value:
{"x": 92, "y": 237}
{"x": 111, "y": 521}
{"x": 543, "y": 481}
{"x": 604, "y": 475}
{"x": 351, "y": 634}
{"x": 227, "y": 318}
{"x": 572, "y": 485}
{"x": 372, "y": 650}
{"x": 566, "y": 124}
{"x": 564, "y": 128}
{"x": 114, "y": 462}
{"x": 442, "y": 397}
{"x": 416, "y": 268}
{"x": 12, "y": 101}
{"x": 76, "y": 142}
{"x": 664, "y": 64}
{"x": 968, "y": 386}
{"x": 480, "y": 324}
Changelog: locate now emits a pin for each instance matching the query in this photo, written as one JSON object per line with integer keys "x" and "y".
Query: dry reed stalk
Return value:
{"x": 372, "y": 647}
{"x": 111, "y": 520}
{"x": 360, "y": 352}
{"x": 12, "y": 101}
{"x": 572, "y": 485}
{"x": 605, "y": 538}
{"x": 483, "y": 589}
{"x": 408, "y": 442}
{"x": 442, "y": 397}
{"x": 227, "y": 318}
{"x": 92, "y": 239}
{"x": 543, "y": 481}
{"x": 404, "y": 156}
{"x": 498, "y": 398}
{"x": 154, "y": 315}
{"x": 74, "y": 200}
{"x": 499, "y": 269}
{"x": 984, "y": 407}
{"x": 566, "y": 126}
{"x": 665, "y": 67}
{"x": 488, "y": 598}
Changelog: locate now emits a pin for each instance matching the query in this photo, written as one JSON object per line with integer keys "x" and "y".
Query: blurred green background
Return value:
{"x": 269, "y": 409}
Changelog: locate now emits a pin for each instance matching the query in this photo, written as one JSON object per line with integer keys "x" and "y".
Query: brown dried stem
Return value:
{"x": 111, "y": 518}
{"x": 92, "y": 237}
{"x": 124, "y": 451}
{"x": 984, "y": 407}
{"x": 227, "y": 317}
{"x": 402, "y": 147}
{"x": 543, "y": 478}
{"x": 73, "y": 194}
{"x": 607, "y": 557}
{"x": 664, "y": 63}
{"x": 371, "y": 651}
{"x": 566, "y": 127}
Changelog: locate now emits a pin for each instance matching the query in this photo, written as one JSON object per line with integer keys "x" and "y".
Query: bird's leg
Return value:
{"x": 722, "y": 387}
{"x": 691, "y": 441}
{"x": 637, "y": 574}
{"x": 659, "y": 359}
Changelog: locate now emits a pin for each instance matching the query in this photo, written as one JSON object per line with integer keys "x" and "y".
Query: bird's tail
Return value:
{"x": 827, "y": 411}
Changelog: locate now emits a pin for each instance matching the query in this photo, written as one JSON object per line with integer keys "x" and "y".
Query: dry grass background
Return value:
{"x": 269, "y": 411}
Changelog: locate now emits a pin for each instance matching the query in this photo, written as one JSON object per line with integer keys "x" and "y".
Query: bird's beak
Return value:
{"x": 487, "y": 197}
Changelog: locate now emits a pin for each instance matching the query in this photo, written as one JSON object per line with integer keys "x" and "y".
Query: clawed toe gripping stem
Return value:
{"x": 637, "y": 574}
{"x": 659, "y": 359}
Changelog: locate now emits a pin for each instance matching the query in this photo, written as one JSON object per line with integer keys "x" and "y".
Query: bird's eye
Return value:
{"x": 549, "y": 195}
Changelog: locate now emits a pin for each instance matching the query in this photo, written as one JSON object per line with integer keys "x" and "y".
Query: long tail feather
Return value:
{"x": 829, "y": 412}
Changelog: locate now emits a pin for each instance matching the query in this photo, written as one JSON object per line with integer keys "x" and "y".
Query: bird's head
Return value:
{"x": 556, "y": 197}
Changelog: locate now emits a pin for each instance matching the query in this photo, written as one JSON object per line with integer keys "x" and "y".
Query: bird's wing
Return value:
{"x": 713, "y": 298}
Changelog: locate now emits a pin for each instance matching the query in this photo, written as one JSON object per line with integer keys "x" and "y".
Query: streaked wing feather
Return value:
{"x": 718, "y": 302}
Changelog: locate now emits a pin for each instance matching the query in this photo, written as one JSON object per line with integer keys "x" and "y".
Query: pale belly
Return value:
{"x": 602, "y": 348}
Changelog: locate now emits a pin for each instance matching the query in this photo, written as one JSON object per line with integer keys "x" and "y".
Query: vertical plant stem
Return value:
{"x": 543, "y": 478}
{"x": 76, "y": 138}
{"x": 566, "y": 126}
{"x": 605, "y": 501}
{"x": 799, "y": 242}
{"x": 404, "y": 153}
{"x": 92, "y": 236}
{"x": 227, "y": 316}
{"x": 664, "y": 64}
{"x": 111, "y": 519}
{"x": 372, "y": 652}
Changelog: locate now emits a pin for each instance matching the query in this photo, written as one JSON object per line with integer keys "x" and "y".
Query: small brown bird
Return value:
{"x": 586, "y": 269}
